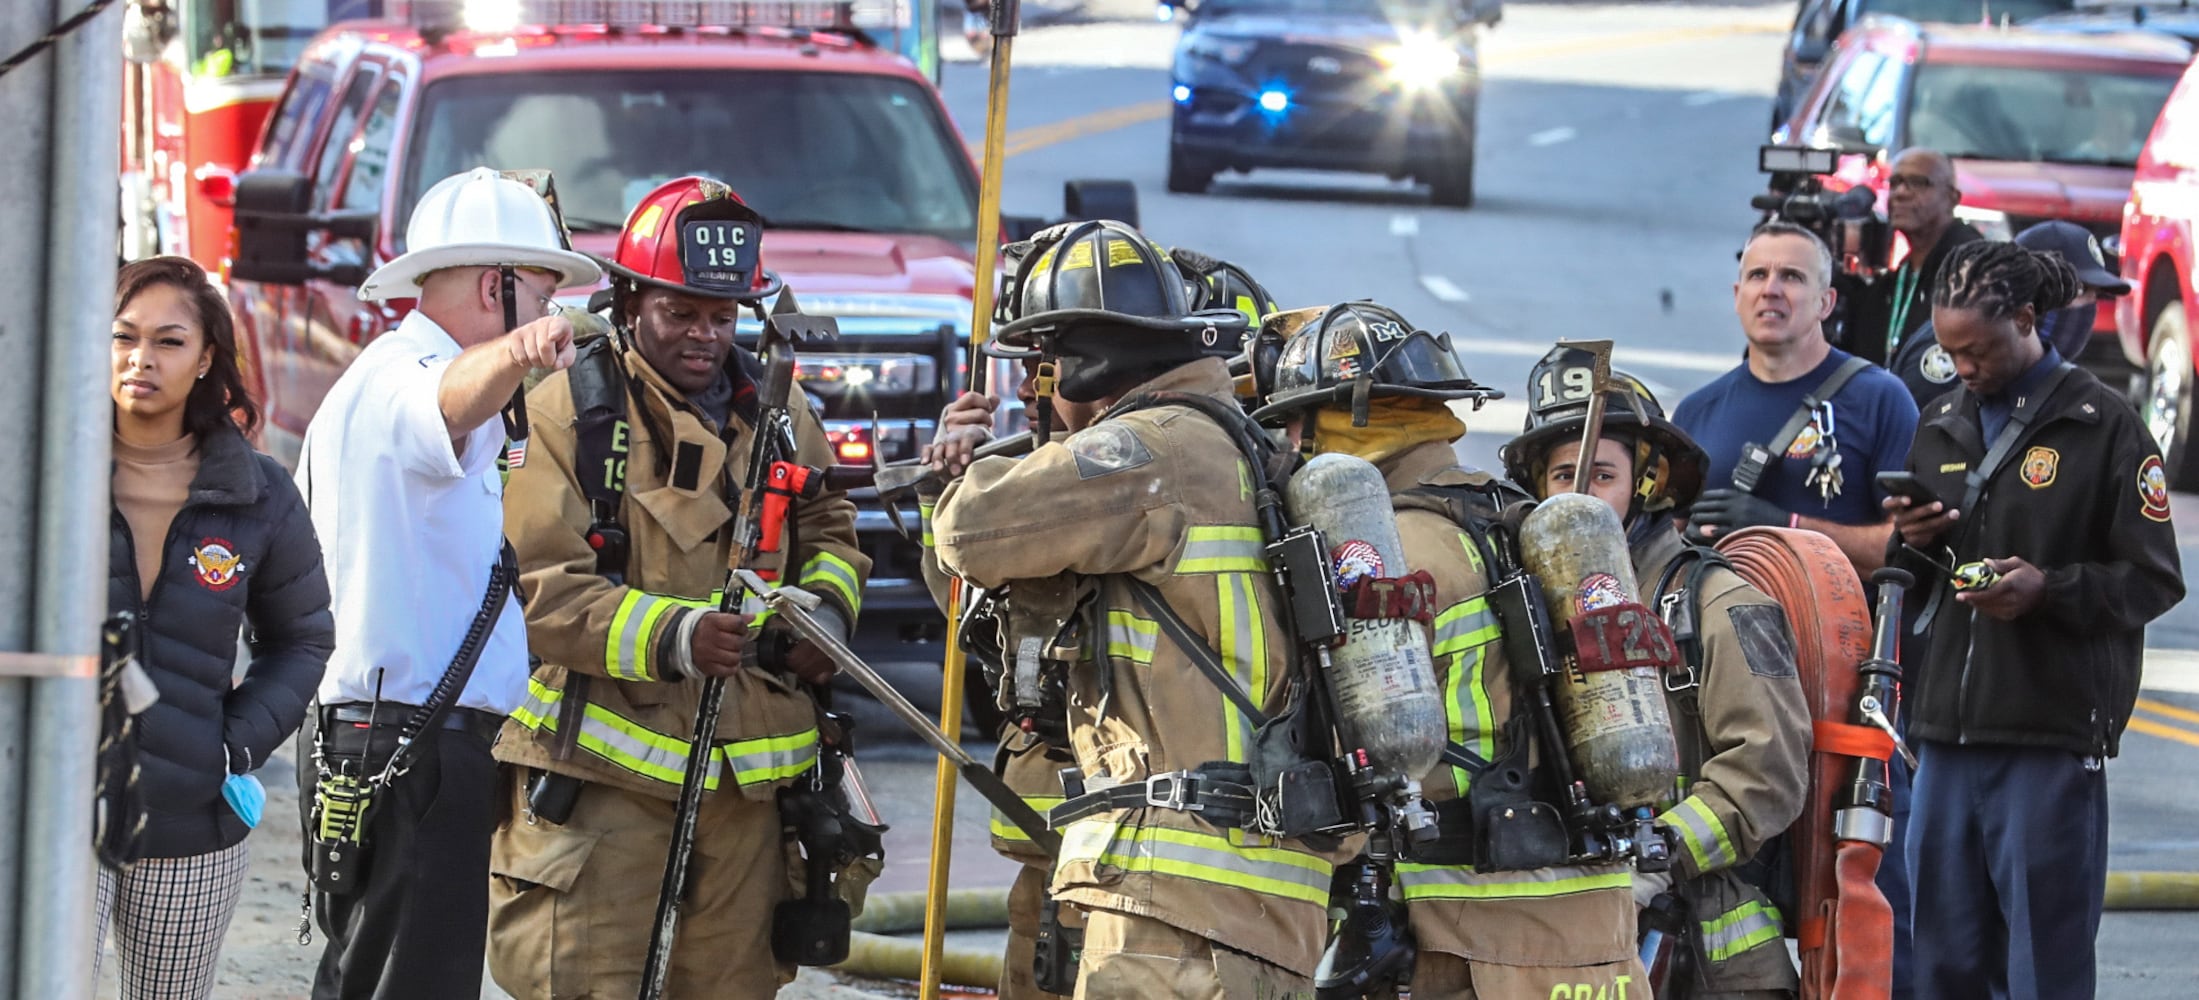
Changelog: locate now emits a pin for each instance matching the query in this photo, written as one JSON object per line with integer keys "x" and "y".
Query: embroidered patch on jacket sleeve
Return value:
{"x": 2153, "y": 488}
{"x": 1107, "y": 448}
{"x": 1766, "y": 641}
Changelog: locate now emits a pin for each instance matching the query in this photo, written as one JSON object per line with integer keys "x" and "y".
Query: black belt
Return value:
{"x": 391, "y": 715}
{"x": 1226, "y": 804}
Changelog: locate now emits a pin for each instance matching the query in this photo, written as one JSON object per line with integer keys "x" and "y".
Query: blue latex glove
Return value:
{"x": 246, "y": 796}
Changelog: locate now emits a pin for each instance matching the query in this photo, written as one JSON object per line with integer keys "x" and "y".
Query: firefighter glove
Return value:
{"x": 1721, "y": 512}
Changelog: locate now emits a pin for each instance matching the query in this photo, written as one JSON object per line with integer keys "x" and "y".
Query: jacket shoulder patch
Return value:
{"x": 1766, "y": 640}
{"x": 1107, "y": 448}
{"x": 2153, "y": 488}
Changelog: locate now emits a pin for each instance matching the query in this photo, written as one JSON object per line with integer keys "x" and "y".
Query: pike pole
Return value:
{"x": 1005, "y": 15}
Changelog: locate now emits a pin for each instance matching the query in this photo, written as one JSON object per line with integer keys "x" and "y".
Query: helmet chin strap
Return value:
{"x": 1042, "y": 387}
{"x": 515, "y": 412}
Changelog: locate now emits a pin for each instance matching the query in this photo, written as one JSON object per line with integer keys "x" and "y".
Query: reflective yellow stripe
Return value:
{"x": 1464, "y": 625}
{"x": 1744, "y": 927}
{"x": 1243, "y": 653}
{"x": 1203, "y": 857}
{"x": 1223, "y": 549}
{"x": 1447, "y": 882}
{"x": 629, "y": 646}
{"x": 1704, "y": 835}
{"x": 1131, "y": 637}
{"x": 1463, "y": 633}
{"x": 1006, "y": 830}
{"x": 832, "y": 571}
{"x": 924, "y": 518}
{"x": 659, "y": 757}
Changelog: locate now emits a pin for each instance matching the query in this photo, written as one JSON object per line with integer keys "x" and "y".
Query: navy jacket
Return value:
{"x": 240, "y": 552}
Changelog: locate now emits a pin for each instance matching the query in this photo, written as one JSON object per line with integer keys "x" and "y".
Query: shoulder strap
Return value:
{"x": 1683, "y": 609}
{"x": 1750, "y": 472}
{"x": 599, "y": 408}
{"x": 429, "y": 715}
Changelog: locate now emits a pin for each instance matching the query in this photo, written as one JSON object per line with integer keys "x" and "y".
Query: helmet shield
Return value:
{"x": 695, "y": 236}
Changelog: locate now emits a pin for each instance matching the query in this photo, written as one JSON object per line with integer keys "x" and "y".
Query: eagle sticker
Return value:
{"x": 1937, "y": 367}
{"x": 1107, "y": 448}
{"x": 1355, "y": 560}
{"x": 217, "y": 563}
{"x": 1601, "y": 590}
{"x": 2153, "y": 488}
{"x": 2039, "y": 466}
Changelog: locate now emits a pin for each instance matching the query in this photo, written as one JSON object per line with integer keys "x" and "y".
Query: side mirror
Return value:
{"x": 272, "y": 225}
{"x": 1849, "y": 139}
{"x": 1098, "y": 199}
{"x": 1811, "y": 48}
{"x": 1486, "y": 13}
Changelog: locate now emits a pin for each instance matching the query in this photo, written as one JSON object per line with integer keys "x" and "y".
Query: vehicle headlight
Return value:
{"x": 1992, "y": 223}
{"x": 1420, "y": 61}
{"x": 1227, "y": 51}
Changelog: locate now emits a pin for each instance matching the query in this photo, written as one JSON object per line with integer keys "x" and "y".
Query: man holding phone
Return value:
{"x": 2047, "y": 479}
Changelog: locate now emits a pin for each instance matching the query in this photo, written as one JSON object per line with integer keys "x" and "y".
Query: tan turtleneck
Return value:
{"x": 150, "y": 486}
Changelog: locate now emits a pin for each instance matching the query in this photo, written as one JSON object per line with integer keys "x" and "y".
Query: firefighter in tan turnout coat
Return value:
{"x": 1177, "y": 903}
{"x": 595, "y": 756}
{"x": 1738, "y": 709}
{"x": 1493, "y": 934}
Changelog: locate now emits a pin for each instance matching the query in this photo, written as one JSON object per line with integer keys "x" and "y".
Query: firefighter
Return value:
{"x": 595, "y": 756}
{"x": 1180, "y": 898}
{"x": 1737, "y": 705}
{"x": 1508, "y": 933}
{"x": 1027, "y": 759}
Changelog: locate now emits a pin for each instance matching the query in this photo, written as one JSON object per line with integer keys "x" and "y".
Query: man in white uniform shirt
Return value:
{"x": 401, "y": 470}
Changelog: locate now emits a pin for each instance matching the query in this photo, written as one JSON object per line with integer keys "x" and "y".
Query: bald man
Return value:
{"x": 1920, "y": 204}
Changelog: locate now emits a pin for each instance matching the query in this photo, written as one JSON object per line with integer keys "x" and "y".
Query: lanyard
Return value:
{"x": 1904, "y": 295}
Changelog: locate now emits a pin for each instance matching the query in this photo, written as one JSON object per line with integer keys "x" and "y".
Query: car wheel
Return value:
{"x": 2168, "y": 395}
{"x": 1187, "y": 174}
{"x": 1452, "y": 184}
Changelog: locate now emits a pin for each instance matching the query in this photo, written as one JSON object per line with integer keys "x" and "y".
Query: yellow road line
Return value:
{"x": 1024, "y": 140}
{"x": 2152, "y": 728}
{"x": 2163, "y": 708}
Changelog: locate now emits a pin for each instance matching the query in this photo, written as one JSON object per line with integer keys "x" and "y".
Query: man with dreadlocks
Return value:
{"x": 2031, "y": 667}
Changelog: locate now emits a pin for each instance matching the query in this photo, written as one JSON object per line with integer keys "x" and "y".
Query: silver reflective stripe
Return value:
{"x": 1204, "y": 857}
{"x": 1706, "y": 839}
{"x": 630, "y": 629}
{"x": 1417, "y": 882}
{"x": 1243, "y": 655}
{"x": 1230, "y": 548}
{"x": 1131, "y": 637}
{"x": 771, "y": 758}
{"x": 1464, "y": 626}
{"x": 1745, "y": 927}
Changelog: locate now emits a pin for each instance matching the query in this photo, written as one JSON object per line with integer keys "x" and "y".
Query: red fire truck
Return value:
{"x": 199, "y": 79}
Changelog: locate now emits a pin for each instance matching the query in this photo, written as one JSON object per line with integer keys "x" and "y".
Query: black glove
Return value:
{"x": 1721, "y": 512}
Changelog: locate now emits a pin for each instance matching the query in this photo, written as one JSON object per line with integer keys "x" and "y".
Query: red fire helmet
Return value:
{"x": 694, "y": 235}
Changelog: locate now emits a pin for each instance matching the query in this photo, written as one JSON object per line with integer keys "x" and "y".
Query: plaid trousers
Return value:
{"x": 169, "y": 916}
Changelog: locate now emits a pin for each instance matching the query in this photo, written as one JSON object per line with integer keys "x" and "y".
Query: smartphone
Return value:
{"x": 1903, "y": 483}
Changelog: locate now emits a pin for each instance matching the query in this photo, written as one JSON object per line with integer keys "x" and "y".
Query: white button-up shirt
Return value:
{"x": 409, "y": 529}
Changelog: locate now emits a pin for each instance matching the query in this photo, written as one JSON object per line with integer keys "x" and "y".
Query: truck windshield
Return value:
{"x": 1362, "y": 9}
{"x": 2028, "y": 115}
{"x": 1966, "y": 11}
{"x": 224, "y": 38}
{"x": 831, "y": 151}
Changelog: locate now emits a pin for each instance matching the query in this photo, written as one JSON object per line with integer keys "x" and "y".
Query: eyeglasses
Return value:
{"x": 1899, "y": 181}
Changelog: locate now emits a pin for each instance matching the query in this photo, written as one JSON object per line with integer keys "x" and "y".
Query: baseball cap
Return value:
{"x": 2080, "y": 249}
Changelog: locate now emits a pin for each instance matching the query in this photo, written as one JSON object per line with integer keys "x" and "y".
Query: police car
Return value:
{"x": 1378, "y": 86}
{"x": 840, "y": 141}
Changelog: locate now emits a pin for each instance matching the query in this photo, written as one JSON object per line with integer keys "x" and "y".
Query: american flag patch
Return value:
{"x": 515, "y": 454}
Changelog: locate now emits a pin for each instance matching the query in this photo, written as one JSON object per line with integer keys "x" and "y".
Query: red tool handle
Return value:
{"x": 786, "y": 482}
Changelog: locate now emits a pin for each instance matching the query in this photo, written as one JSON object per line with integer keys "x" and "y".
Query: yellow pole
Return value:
{"x": 1005, "y": 15}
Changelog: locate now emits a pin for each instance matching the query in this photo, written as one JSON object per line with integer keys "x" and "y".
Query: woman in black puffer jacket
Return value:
{"x": 208, "y": 538}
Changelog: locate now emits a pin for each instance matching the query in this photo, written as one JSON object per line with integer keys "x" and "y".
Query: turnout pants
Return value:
{"x": 1443, "y": 976}
{"x": 1137, "y": 958}
{"x": 415, "y": 929}
{"x": 2008, "y": 862}
{"x": 572, "y": 906}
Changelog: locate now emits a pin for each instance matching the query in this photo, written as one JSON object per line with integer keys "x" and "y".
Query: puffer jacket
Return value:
{"x": 240, "y": 551}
